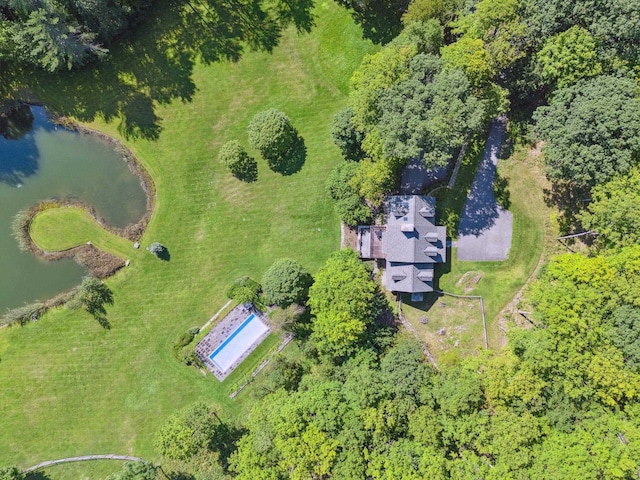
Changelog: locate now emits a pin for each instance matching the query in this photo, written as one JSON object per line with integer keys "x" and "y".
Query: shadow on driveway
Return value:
{"x": 485, "y": 229}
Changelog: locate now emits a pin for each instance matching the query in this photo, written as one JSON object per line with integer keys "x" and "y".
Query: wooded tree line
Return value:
{"x": 59, "y": 34}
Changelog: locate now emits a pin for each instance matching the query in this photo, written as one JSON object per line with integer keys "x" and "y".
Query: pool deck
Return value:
{"x": 221, "y": 332}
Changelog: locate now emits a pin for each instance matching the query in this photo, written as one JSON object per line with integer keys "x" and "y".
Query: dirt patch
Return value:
{"x": 469, "y": 280}
{"x": 349, "y": 237}
{"x": 446, "y": 323}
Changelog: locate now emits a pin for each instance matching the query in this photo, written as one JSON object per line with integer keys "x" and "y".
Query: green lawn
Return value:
{"x": 70, "y": 387}
{"x": 496, "y": 282}
{"x": 66, "y": 227}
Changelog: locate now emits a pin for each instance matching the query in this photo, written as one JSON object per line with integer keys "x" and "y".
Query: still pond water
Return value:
{"x": 52, "y": 162}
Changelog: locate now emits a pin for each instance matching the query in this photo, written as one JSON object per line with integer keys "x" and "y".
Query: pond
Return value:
{"x": 49, "y": 161}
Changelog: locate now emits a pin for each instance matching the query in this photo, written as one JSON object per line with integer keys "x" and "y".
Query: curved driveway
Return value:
{"x": 485, "y": 229}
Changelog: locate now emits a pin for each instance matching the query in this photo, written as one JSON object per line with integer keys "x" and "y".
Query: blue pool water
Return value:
{"x": 231, "y": 337}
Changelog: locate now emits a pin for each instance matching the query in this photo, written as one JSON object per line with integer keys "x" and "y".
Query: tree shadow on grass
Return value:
{"x": 570, "y": 201}
{"x": 380, "y": 19}
{"x": 250, "y": 175}
{"x": 292, "y": 161}
{"x": 37, "y": 475}
{"x": 154, "y": 64}
{"x": 501, "y": 191}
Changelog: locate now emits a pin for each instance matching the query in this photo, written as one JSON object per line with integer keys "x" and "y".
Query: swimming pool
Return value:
{"x": 238, "y": 342}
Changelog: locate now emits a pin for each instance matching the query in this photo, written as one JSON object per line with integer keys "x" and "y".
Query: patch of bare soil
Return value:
{"x": 349, "y": 237}
{"x": 469, "y": 280}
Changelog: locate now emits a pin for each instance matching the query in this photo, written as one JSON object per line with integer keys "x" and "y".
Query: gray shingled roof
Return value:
{"x": 408, "y": 277}
{"x": 411, "y": 235}
{"x": 412, "y": 243}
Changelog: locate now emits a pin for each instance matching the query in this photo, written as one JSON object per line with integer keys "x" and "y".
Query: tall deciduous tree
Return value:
{"x": 346, "y": 136}
{"x": 93, "y": 296}
{"x": 569, "y": 56}
{"x": 341, "y": 299}
{"x": 271, "y": 133}
{"x": 591, "y": 130}
{"x": 350, "y": 205}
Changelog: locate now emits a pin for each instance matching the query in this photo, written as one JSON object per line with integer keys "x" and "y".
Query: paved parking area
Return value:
{"x": 485, "y": 230}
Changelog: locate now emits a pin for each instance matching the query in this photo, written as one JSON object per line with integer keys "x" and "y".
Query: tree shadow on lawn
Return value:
{"x": 570, "y": 201}
{"x": 292, "y": 161}
{"x": 380, "y": 19}
{"x": 250, "y": 175}
{"x": 37, "y": 475}
{"x": 154, "y": 64}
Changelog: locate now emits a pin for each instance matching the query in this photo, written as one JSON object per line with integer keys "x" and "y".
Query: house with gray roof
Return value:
{"x": 409, "y": 242}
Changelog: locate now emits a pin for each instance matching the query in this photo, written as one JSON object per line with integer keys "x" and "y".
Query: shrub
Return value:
{"x": 179, "y": 352}
{"x": 245, "y": 289}
{"x": 271, "y": 133}
{"x": 23, "y": 314}
{"x": 238, "y": 161}
{"x": 156, "y": 248}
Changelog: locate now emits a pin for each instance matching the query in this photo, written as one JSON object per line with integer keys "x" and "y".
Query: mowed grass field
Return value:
{"x": 62, "y": 228}
{"x": 69, "y": 387}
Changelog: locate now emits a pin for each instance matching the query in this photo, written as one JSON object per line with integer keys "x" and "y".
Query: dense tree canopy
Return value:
{"x": 615, "y": 23}
{"x": 405, "y": 102}
{"x": 431, "y": 111}
{"x": 342, "y": 187}
{"x": 614, "y": 211}
{"x": 62, "y": 34}
{"x": 341, "y": 299}
{"x": 591, "y": 130}
{"x": 625, "y": 334}
{"x": 11, "y": 473}
{"x": 346, "y": 136}
{"x": 135, "y": 471}
{"x": 569, "y": 56}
